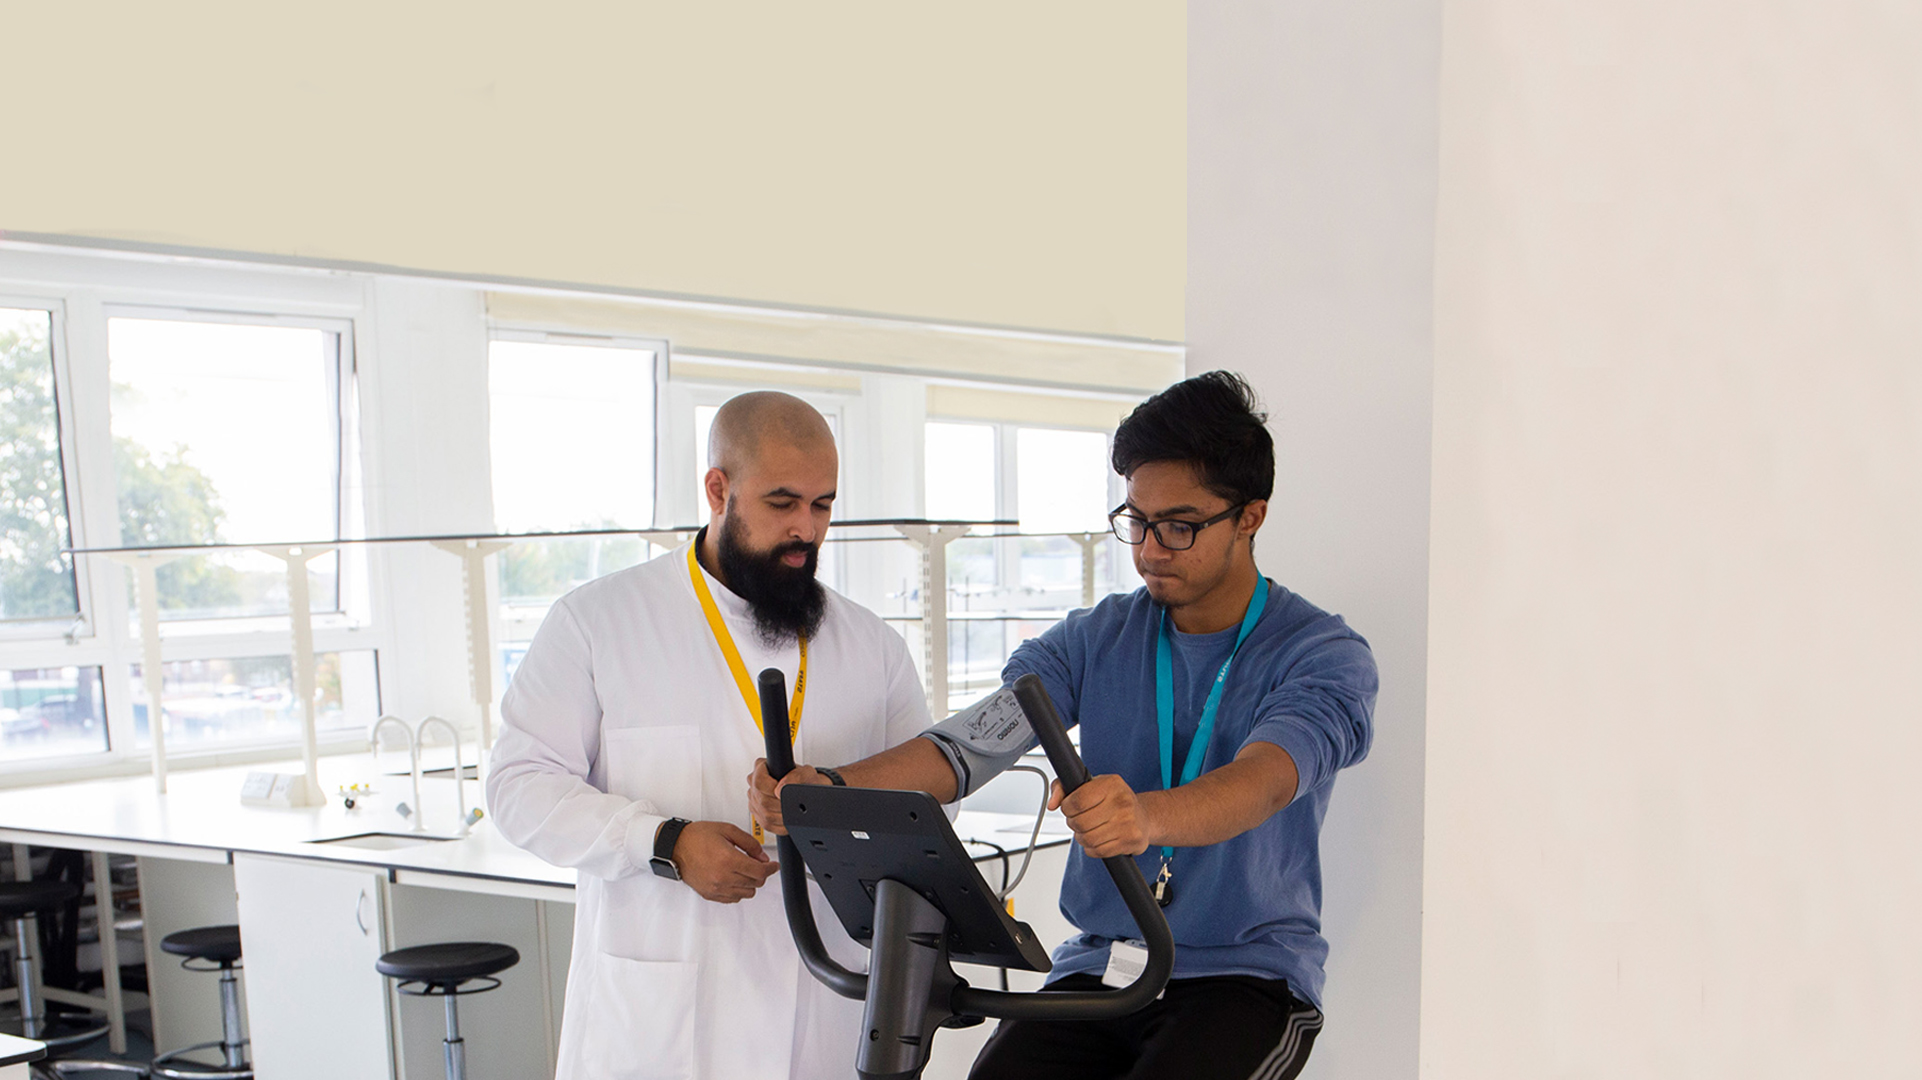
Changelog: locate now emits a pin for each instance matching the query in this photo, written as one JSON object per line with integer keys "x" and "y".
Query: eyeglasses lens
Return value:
{"x": 1173, "y": 535}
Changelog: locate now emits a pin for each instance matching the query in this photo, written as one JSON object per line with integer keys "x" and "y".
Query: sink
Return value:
{"x": 383, "y": 841}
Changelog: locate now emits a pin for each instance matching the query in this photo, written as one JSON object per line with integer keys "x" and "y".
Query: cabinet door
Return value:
{"x": 315, "y": 1005}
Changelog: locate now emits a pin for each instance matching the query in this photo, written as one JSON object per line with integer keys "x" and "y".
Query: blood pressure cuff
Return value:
{"x": 983, "y": 739}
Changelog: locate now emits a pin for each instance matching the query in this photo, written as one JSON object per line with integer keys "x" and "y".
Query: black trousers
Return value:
{"x": 1230, "y": 1027}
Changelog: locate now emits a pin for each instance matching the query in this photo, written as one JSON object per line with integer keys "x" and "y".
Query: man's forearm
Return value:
{"x": 1221, "y": 804}
{"x": 915, "y": 765}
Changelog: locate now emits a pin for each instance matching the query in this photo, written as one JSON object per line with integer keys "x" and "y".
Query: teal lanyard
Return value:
{"x": 1165, "y": 698}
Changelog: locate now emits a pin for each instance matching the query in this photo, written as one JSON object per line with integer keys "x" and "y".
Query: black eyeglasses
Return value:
{"x": 1171, "y": 534}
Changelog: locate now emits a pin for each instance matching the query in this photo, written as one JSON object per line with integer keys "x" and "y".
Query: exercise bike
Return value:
{"x": 902, "y": 884}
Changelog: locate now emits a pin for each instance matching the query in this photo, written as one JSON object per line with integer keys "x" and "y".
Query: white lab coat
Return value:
{"x": 623, "y": 713}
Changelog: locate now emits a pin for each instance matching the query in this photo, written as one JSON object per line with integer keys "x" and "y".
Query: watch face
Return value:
{"x": 664, "y": 868}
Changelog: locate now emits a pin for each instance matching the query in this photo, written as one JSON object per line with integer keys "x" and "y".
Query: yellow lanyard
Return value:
{"x": 726, "y": 641}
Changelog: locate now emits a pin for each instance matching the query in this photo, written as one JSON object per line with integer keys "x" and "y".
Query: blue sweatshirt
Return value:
{"x": 1303, "y": 681}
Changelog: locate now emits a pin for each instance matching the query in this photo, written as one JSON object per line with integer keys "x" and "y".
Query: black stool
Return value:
{"x": 439, "y": 971}
{"x": 210, "y": 948}
{"x": 20, "y": 901}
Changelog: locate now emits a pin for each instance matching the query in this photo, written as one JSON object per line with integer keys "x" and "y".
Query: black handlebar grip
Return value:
{"x": 794, "y": 887}
{"x": 1047, "y": 727}
{"x": 1081, "y": 1004}
{"x": 780, "y": 741}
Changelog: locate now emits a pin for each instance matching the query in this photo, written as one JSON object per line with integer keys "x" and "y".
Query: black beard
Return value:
{"x": 786, "y": 602}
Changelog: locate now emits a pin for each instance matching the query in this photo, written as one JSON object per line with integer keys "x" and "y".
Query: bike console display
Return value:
{"x": 855, "y": 838}
{"x": 902, "y": 884}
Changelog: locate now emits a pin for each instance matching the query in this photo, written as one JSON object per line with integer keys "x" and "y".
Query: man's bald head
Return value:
{"x": 770, "y": 482}
{"x": 750, "y": 424}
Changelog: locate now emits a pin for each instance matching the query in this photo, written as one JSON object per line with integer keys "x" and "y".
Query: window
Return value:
{"x": 251, "y": 699}
{"x": 1061, "y": 486}
{"x": 213, "y": 429}
{"x": 227, "y": 433}
{"x": 36, "y": 580}
{"x": 58, "y": 710}
{"x": 571, "y": 438}
{"x": 51, "y": 712}
{"x": 1003, "y": 591}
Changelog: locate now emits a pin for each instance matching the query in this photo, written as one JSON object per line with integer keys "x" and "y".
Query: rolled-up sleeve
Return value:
{"x": 1321, "y": 709}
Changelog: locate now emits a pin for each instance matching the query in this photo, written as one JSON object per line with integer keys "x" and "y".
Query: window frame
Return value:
{"x": 81, "y": 623}
{"x": 351, "y": 569}
{"x": 105, "y": 635}
{"x": 1004, "y": 602}
{"x": 518, "y": 624}
{"x": 1007, "y": 486}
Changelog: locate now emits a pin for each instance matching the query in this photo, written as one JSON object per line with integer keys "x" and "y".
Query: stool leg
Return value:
{"x": 230, "y": 1040}
{"x": 27, "y": 977}
{"x": 456, "y": 1048}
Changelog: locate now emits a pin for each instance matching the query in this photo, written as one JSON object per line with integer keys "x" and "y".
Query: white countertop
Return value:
{"x": 201, "y": 818}
{"x": 15, "y": 1050}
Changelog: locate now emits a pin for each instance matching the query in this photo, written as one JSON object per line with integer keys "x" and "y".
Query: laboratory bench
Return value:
{"x": 15, "y": 1054}
{"x": 321, "y": 892}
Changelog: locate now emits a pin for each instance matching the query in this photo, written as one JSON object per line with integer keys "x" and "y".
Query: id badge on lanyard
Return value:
{"x": 1164, "y": 889}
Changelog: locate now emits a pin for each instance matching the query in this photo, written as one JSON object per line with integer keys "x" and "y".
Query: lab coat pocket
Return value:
{"x": 660, "y": 766}
{"x": 640, "y": 1022}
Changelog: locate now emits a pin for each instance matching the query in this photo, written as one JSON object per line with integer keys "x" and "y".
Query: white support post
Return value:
{"x": 300, "y": 611}
{"x": 146, "y": 596}
{"x": 1089, "y": 542}
{"x": 480, "y": 637}
{"x": 933, "y": 542}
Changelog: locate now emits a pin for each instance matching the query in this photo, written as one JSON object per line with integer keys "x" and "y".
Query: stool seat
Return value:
{"x": 220, "y": 944}
{"x": 19, "y": 899}
{"x": 448, "y": 962}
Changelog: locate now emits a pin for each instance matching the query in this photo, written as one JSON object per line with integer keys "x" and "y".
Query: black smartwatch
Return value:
{"x": 664, "y": 840}
{"x": 833, "y": 777}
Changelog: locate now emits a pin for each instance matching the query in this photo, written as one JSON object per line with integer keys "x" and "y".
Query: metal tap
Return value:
{"x": 460, "y": 785}
{"x": 413, "y": 760}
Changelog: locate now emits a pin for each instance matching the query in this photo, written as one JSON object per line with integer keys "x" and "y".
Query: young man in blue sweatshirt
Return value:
{"x": 1215, "y": 708}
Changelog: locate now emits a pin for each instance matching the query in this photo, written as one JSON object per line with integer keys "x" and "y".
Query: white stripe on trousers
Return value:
{"x": 1282, "y": 1057}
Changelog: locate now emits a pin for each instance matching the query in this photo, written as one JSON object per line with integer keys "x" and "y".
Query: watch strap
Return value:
{"x": 664, "y": 841}
{"x": 833, "y": 776}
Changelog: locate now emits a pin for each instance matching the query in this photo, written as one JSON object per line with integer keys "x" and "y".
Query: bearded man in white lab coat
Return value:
{"x": 625, "y": 741}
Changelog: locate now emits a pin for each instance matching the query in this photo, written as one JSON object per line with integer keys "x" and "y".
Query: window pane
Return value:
{"x": 1062, "y": 480}
{"x": 571, "y": 431}
{"x": 251, "y": 699}
{"x": 45, "y": 712}
{"x": 539, "y": 572}
{"x": 977, "y": 650}
{"x": 225, "y": 433}
{"x": 36, "y": 581}
{"x": 960, "y": 471}
{"x": 572, "y": 434}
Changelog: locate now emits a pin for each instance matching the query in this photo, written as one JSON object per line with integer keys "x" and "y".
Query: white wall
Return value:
{"x": 1310, "y": 217}
{"x": 1000, "y": 161}
{"x": 1677, "y": 599}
